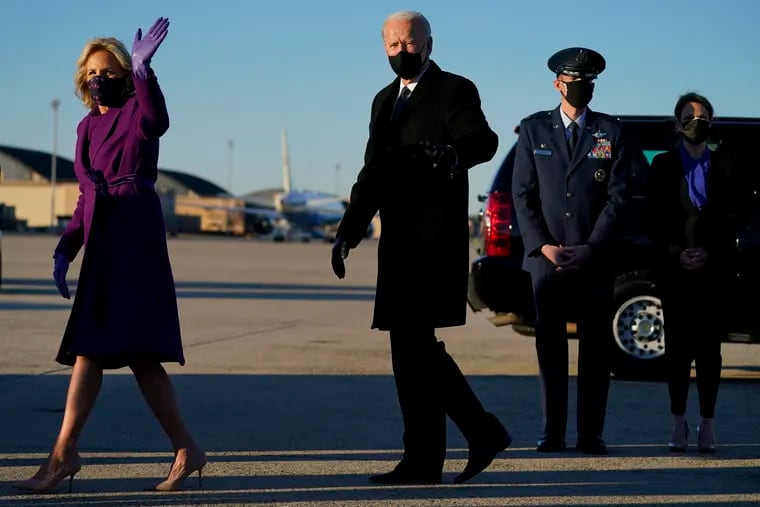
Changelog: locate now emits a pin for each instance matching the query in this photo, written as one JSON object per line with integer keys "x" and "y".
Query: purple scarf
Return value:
{"x": 696, "y": 175}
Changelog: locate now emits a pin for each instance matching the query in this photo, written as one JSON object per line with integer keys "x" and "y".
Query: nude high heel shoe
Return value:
{"x": 49, "y": 476}
{"x": 705, "y": 440}
{"x": 179, "y": 471}
{"x": 676, "y": 445}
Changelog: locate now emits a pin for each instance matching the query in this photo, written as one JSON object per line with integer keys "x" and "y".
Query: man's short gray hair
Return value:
{"x": 414, "y": 17}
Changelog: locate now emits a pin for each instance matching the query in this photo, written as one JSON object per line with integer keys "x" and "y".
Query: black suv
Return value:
{"x": 497, "y": 281}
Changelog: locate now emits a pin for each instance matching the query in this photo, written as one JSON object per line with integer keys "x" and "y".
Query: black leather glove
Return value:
{"x": 339, "y": 252}
{"x": 443, "y": 156}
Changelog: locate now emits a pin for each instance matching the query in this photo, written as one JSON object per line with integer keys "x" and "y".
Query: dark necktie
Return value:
{"x": 573, "y": 139}
{"x": 400, "y": 104}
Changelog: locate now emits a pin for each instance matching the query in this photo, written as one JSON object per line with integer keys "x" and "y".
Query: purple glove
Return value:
{"x": 59, "y": 274}
{"x": 143, "y": 48}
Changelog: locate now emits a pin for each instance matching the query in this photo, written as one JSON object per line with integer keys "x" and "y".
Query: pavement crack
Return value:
{"x": 280, "y": 327}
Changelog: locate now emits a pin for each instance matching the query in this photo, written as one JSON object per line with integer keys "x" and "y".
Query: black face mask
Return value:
{"x": 696, "y": 131}
{"x": 406, "y": 65}
{"x": 579, "y": 93}
{"x": 108, "y": 92}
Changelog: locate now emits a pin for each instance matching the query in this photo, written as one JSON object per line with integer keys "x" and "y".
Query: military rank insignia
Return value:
{"x": 602, "y": 147}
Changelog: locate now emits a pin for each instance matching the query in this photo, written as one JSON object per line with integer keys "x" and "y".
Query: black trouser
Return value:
{"x": 694, "y": 330}
{"x": 585, "y": 298}
{"x": 430, "y": 385}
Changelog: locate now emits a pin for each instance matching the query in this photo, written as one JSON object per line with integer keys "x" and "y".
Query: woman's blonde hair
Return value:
{"x": 113, "y": 46}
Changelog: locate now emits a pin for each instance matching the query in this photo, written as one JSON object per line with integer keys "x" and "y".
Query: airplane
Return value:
{"x": 295, "y": 214}
{"x": 308, "y": 214}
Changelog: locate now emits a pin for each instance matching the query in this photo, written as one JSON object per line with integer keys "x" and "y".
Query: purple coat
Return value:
{"x": 125, "y": 307}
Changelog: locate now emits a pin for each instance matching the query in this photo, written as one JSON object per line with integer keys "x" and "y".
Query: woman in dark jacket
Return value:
{"x": 692, "y": 201}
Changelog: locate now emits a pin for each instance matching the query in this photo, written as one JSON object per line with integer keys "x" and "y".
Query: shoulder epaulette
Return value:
{"x": 538, "y": 115}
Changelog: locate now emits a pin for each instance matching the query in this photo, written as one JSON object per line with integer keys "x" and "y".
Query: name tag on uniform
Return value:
{"x": 543, "y": 152}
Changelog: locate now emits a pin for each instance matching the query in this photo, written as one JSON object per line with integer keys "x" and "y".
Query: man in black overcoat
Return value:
{"x": 426, "y": 130}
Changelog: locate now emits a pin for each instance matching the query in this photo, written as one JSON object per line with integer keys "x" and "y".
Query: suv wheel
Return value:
{"x": 638, "y": 330}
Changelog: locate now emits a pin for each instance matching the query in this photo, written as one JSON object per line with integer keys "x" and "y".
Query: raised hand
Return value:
{"x": 143, "y": 48}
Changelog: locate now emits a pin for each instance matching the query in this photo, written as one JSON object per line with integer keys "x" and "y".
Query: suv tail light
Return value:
{"x": 497, "y": 224}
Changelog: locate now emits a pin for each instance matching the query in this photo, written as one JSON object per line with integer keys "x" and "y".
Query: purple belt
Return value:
{"x": 101, "y": 185}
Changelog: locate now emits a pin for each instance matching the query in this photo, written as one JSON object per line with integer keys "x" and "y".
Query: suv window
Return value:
{"x": 502, "y": 182}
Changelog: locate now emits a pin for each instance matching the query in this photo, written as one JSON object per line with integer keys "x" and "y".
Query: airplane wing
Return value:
{"x": 263, "y": 212}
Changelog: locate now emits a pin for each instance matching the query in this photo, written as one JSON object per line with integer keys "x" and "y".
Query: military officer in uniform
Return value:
{"x": 570, "y": 186}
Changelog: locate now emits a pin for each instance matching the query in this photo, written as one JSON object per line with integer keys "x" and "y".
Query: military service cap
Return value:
{"x": 577, "y": 62}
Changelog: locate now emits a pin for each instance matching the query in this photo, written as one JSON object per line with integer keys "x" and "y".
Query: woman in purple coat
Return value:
{"x": 125, "y": 308}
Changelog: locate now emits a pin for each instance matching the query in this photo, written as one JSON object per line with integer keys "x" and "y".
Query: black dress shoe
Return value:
{"x": 405, "y": 473}
{"x": 483, "y": 450}
{"x": 592, "y": 445}
{"x": 549, "y": 443}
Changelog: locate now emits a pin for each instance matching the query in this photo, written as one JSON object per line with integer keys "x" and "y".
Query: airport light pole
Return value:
{"x": 230, "y": 146}
{"x": 54, "y": 162}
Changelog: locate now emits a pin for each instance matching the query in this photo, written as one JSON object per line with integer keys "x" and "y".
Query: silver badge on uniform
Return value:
{"x": 600, "y": 175}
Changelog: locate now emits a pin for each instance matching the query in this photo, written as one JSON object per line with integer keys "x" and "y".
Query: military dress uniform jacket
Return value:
{"x": 423, "y": 253}
{"x": 561, "y": 200}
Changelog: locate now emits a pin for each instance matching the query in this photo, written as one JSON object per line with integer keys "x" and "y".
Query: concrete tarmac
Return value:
{"x": 291, "y": 395}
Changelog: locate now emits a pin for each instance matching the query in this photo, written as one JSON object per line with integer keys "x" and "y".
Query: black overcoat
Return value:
{"x": 676, "y": 224}
{"x": 423, "y": 253}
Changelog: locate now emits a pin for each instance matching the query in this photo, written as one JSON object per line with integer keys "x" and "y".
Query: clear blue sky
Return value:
{"x": 245, "y": 69}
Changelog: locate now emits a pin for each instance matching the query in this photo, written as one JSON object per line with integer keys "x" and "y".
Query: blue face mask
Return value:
{"x": 108, "y": 92}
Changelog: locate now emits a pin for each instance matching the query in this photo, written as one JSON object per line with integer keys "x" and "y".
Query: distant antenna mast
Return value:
{"x": 285, "y": 162}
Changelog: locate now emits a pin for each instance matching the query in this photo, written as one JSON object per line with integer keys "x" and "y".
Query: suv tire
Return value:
{"x": 638, "y": 330}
